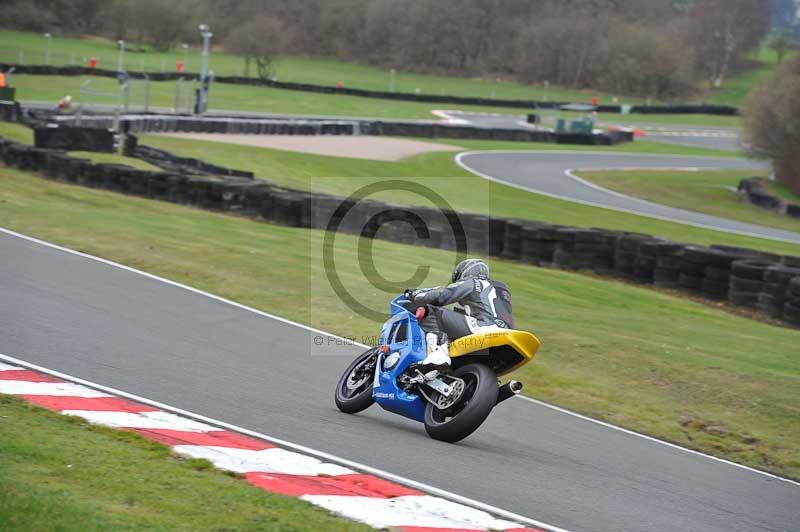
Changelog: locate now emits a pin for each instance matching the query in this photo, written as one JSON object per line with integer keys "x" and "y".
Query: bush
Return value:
{"x": 772, "y": 123}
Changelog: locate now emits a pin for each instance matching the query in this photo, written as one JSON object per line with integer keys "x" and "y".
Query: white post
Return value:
{"x": 121, "y": 57}
{"x": 202, "y": 102}
{"x": 47, "y": 54}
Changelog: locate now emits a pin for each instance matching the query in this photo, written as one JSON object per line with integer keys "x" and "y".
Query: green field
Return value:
{"x": 322, "y": 71}
{"x": 437, "y": 170}
{"x": 232, "y": 97}
{"x": 279, "y": 101}
{"x": 327, "y": 71}
{"x": 607, "y": 352}
{"x": 705, "y": 191}
{"x": 61, "y": 473}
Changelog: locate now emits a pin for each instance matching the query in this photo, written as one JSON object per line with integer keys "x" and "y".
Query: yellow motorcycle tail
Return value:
{"x": 504, "y": 350}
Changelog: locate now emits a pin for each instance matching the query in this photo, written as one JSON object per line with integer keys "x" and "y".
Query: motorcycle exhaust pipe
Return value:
{"x": 508, "y": 390}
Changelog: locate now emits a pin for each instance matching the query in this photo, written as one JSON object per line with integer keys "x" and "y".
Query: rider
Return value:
{"x": 484, "y": 304}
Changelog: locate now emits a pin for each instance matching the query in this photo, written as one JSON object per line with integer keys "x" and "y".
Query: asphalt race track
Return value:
{"x": 716, "y": 138}
{"x": 546, "y": 172}
{"x": 124, "y": 330}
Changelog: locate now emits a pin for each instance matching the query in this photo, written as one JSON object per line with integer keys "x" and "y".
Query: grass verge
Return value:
{"x": 438, "y": 171}
{"x": 62, "y": 473}
{"x": 711, "y": 192}
{"x": 667, "y": 366}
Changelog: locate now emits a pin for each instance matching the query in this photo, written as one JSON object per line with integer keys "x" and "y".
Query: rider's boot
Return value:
{"x": 438, "y": 353}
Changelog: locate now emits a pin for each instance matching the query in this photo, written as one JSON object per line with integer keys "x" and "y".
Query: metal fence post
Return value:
{"x": 146, "y": 93}
{"x": 125, "y": 91}
{"x": 122, "y": 95}
{"x": 177, "y": 95}
{"x": 83, "y": 89}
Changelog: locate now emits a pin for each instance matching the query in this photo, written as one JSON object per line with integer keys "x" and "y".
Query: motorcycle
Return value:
{"x": 451, "y": 403}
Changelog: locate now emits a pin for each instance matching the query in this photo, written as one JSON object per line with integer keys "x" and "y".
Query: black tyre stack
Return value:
{"x": 747, "y": 281}
{"x": 584, "y": 249}
{"x": 625, "y": 252}
{"x": 646, "y": 261}
{"x": 717, "y": 275}
{"x": 775, "y": 291}
{"x": 545, "y": 240}
{"x": 707, "y": 271}
{"x": 512, "y": 242}
{"x": 497, "y": 235}
{"x": 791, "y": 308}
{"x": 668, "y": 265}
{"x": 531, "y": 244}
{"x": 692, "y": 268}
{"x": 477, "y": 229}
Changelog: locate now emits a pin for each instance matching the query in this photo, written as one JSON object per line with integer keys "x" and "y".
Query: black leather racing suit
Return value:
{"x": 481, "y": 303}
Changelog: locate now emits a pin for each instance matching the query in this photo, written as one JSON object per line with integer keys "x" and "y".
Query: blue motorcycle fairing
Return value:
{"x": 403, "y": 335}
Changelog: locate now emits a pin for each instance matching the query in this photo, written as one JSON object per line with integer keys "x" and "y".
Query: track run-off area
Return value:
{"x": 166, "y": 342}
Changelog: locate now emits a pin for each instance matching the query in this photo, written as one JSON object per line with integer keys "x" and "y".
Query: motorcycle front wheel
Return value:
{"x": 354, "y": 389}
{"x": 475, "y": 401}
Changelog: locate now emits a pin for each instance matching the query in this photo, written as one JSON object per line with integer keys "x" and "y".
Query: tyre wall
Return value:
{"x": 255, "y": 126}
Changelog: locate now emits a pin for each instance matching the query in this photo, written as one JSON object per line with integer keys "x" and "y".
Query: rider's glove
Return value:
{"x": 409, "y": 294}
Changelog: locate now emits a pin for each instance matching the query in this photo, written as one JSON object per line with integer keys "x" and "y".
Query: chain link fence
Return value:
{"x": 102, "y": 59}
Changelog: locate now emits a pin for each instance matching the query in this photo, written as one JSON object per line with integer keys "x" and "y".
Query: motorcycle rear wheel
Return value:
{"x": 354, "y": 389}
{"x": 469, "y": 411}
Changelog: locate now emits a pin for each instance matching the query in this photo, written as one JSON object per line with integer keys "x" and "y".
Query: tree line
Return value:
{"x": 651, "y": 48}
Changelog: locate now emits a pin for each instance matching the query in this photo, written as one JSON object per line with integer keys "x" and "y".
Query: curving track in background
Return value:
{"x": 717, "y": 138}
{"x": 553, "y": 174}
{"x": 137, "y": 333}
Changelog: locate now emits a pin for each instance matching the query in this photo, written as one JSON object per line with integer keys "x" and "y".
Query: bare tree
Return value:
{"x": 780, "y": 43}
{"x": 257, "y": 40}
{"x": 625, "y": 46}
{"x": 722, "y": 31}
{"x": 770, "y": 124}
